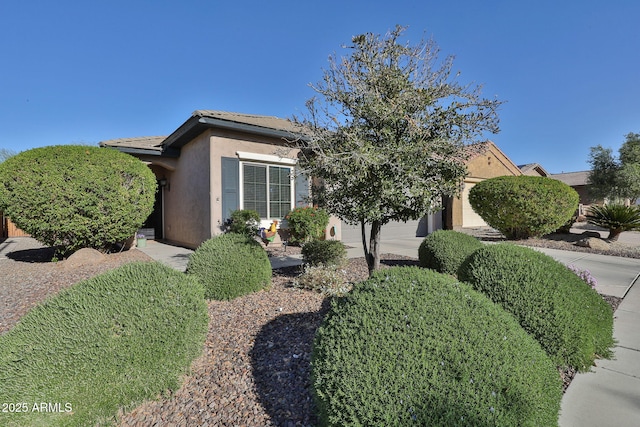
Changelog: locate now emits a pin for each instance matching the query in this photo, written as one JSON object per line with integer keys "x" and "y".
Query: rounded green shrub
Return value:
{"x": 324, "y": 252}
{"x": 570, "y": 320}
{"x": 445, "y": 250}
{"x": 306, "y": 223}
{"x": 104, "y": 344}
{"x": 411, "y": 346}
{"x": 230, "y": 265}
{"x": 73, "y": 196}
{"x": 244, "y": 221}
{"x": 524, "y": 206}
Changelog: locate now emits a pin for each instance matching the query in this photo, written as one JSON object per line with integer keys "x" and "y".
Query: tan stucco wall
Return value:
{"x": 186, "y": 198}
{"x": 490, "y": 164}
{"x": 193, "y": 196}
{"x": 227, "y": 144}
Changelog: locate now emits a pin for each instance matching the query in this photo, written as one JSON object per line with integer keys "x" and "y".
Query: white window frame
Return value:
{"x": 267, "y": 160}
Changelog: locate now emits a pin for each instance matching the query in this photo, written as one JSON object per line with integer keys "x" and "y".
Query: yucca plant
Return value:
{"x": 615, "y": 218}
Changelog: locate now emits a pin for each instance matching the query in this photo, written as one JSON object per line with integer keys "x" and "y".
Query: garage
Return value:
{"x": 470, "y": 218}
{"x": 351, "y": 234}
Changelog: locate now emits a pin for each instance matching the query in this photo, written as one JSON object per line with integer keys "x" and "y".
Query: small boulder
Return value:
{"x": 593, "y": 243}
{"x": 84, "y": 256}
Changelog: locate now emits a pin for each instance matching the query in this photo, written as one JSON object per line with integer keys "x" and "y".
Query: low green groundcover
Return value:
{"x": 104, "y": 344}
{"x": 411, "y": 346}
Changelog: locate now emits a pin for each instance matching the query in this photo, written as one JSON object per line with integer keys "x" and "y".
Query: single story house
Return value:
{"x": 217, "y": 162}
{"x": 579, "y": 181}
{"x": 488, "y": 163}
{"x": 533, "y": 169}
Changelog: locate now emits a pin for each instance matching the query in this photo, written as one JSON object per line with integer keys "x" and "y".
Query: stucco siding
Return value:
{"x": 187, "y": 201}
{"x": 228, "y": 144}
{"x": 490, "y": 164}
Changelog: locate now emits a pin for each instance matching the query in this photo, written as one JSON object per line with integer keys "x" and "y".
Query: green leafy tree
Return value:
{"x": 387, "y": 133}
{"x": 73, "y": 196}
{"x": 616, "y": 178}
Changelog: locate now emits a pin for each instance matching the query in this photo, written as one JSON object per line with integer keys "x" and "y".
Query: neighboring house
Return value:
{"x": 533, "y": 169}
{"x": 217, "y": 162}
{"x": 488, "y": 163}
{"x": 579, "y": 181}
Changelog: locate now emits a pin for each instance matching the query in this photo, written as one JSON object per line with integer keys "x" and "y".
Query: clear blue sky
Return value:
{"x": 87, "y": 71}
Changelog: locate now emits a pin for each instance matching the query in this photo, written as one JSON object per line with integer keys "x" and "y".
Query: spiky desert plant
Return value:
{"x": 615, "y": 218}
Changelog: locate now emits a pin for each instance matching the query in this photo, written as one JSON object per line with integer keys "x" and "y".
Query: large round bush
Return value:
{"x": 524, "y": 206}
{"x": 76, "y": 196}
{"x": 570, "y": 320}
{"x": 445, "y": 250}
{"x": 230, "y": 265}
{"x": 104, "y": 344}
{"x": 411, "y": 346}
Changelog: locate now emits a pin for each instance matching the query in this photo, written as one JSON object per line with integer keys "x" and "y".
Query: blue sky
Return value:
{"x": 87, "y": 71}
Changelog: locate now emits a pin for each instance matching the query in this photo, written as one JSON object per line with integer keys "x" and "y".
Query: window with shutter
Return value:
{"x": 267, "y": 189}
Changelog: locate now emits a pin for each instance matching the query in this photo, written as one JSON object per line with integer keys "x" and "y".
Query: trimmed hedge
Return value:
{"x": 445, "y": 250}
{"x": 411, "y": 346}
{"x": 230, "y": 265}
{"x": 324, "y": 252}
{"x": 570, "y": 320}
{"x": 74, "y": 197}
{"x": 244, "y": 221}
{"x": 106, "y": 343}
{"x": 524, "y": 206}
{"x": 306, "y": 224}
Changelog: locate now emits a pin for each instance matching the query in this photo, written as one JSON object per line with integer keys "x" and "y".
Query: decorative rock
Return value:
{"x": 593, "y": 243}
{"x": 84, "y": 256}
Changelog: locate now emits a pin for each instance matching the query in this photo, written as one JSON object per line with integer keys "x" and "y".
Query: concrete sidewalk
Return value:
{"x": 178, "y": 257}
{"x": 609, "y": 396}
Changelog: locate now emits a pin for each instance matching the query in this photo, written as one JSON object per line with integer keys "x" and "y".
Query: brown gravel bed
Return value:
{"x": 27, "y": 277}
{"x": 256, "y": 366}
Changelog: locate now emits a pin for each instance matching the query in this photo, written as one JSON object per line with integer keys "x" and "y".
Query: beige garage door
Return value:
{"x": 469, "y": 217}
{"x": 352, "y": 234}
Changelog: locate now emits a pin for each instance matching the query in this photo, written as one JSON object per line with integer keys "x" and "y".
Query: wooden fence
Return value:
{"x": 9, "y": 229}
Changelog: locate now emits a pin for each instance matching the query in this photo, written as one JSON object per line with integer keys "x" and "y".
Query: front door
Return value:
{"x": 153, "y": 227}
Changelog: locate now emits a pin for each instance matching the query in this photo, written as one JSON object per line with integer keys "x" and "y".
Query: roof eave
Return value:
{"x": 195, "y": 125}
{"x": 169, "y": 152}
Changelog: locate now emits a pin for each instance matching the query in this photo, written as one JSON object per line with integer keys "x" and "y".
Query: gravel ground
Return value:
{"x": 256, "y": 366}
{"x": 27, "y": 277}
{"x": 254, "y": 370}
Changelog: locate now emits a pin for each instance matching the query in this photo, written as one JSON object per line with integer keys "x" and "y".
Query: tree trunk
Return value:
{"x": 373, "y": 260}
{"x": 614, "y": 233}
{"x": 372, "y": 250}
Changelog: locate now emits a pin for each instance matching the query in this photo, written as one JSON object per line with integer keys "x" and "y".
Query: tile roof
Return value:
{"x": 533, "y": 166}
{"x": 268, "y": 122}
{"x": 142, "y": 143}
{"x": 572, "y": 178}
